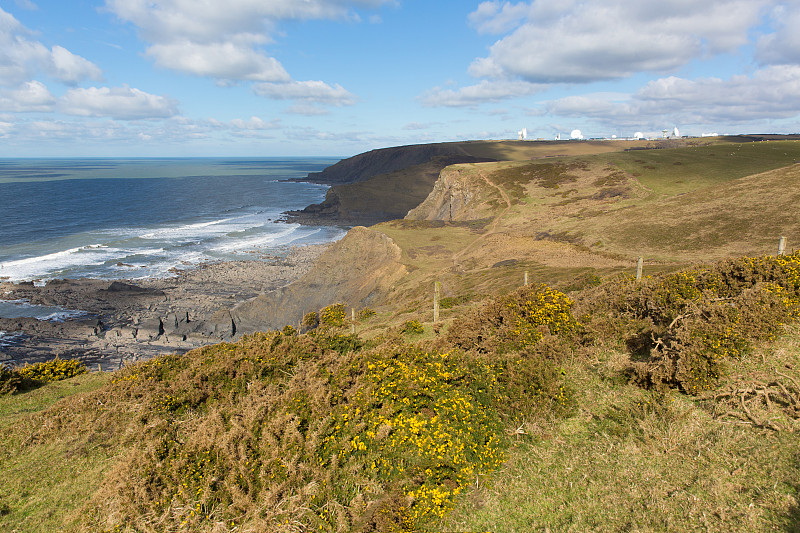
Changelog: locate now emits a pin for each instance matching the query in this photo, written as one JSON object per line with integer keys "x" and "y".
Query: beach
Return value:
{"x": 129, "y": 320}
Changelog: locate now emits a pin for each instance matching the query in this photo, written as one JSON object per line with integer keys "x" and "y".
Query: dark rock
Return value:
{"x": 150, "y": 329}
{"x": 119, "y": 286}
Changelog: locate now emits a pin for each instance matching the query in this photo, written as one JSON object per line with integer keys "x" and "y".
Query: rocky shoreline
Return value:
{"x": 130, "y": 320}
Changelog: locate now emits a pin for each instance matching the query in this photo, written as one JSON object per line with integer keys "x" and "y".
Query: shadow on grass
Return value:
{"x": 793, "y": 519}
{"x": 793, "y": 516}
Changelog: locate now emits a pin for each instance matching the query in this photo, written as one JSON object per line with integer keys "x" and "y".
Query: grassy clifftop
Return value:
{"x": 657, "y": 405}
{"x": 594, "y": 402}
{"x": 385, "y": 184}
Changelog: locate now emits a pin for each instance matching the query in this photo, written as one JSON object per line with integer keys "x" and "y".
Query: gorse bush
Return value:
{"x": 695, "y": 321}
{"x": 53, "y": 370}
{"x": 36, "y": 374}
{"x": 312, "y": 432}
{"x": 516, "y": 321}
{"x": 333, "y": 316}
{"x": 310, "y": 320}
{"x": 10, "y": 380}
{"x": 413, "y": 327}
{"x": 365, "y": 314}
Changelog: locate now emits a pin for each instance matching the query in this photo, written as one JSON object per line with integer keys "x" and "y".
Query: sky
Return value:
{"x": 273, "y": 78}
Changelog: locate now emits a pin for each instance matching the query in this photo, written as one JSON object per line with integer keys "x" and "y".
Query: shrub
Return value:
{"x": 516, "y": 321}
{"x": 696, "y": 320}
{"x": 53, "y": 370}
{"x": 310, "y": 320}
{"x": 365, "y": 314}
{"x": 10, "y": 380}
{"x": 339, "y": 343}
{"x": 534, "y": 387}
{"x": 413, "y": 327}
{"x": 275, "y": 430}
{"x": 333, "y": 316}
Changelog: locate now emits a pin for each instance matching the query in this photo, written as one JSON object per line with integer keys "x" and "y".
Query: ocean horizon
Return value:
{"x": 130, "y": 218}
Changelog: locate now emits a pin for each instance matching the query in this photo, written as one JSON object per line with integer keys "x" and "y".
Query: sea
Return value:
{"x": 139, "y": 218}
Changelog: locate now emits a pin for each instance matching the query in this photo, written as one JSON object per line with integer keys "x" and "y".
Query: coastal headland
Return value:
{"x": 615, "y": 345}
{"x": 475, "y": 216}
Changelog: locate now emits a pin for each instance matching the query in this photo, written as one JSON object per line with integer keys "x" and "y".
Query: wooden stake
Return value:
{"x": 526, "y": 278}
{"x": 353, "y": 320}
{"x": 437, "y": 287}
{"x": 781, "y": 245}
{"x": 639, "y": 266}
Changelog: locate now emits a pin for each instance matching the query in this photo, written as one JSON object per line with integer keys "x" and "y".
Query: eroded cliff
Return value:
{"x": 358, "y": 270}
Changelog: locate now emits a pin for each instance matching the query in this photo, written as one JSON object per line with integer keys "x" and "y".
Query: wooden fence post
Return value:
{"x": 781, "y": 245}
{"x": 437, "y": 287}
{"x": 526, "y": 278}
{"x": 353, "y": 320}
{"x": 639, "y": 266}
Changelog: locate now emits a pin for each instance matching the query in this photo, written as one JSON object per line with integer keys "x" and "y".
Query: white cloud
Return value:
{"x": 70, "y": 68}
{"x": 27, "y": 4}
{"x": 484, "y": 91}
{"x": 31, "y": 96}
{"x": 22, "y": 57}
{"x": 255, "y": 123}
{"x": 494, "y": 17}
{"x": 309, "y": 110}
{"x": 119, "y": 102}
{"x": 769, "y": 94}
{"x": 196, "y": 37}
{"x": 581, "y": 41}
{"x": 317, "y": 92}
{"x": 782, "y": 46}
{"x": 416, "y": 126}
{"x": 222, "y": 60}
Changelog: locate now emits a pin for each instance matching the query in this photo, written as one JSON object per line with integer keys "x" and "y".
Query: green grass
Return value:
{"x": 680, "y": 170}
{"x": 45, "y": 482}
{"x": 629, "y": 460}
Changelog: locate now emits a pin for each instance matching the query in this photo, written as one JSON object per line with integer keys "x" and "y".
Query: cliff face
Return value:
{"x": 356, "y": 271}
{"x": 459, "y": 194}
{"x": 382, "y": 197}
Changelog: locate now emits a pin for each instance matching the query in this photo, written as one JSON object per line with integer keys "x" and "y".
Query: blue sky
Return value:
{"x": 339, "y": 77}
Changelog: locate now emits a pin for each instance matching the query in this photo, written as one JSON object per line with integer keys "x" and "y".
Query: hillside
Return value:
{"x": 385, "y": 184}
{"x": 594, "y": 402}
{"x": 561, "y": 219}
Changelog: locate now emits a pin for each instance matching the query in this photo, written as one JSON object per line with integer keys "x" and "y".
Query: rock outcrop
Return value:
{"x": 379, "y": 198}
{"x": 458, "y": 194}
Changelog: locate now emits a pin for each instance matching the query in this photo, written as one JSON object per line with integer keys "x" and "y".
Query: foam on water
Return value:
{"x": 185, "y": 212}
{"x": 23, "y": 309}
{"x": 52, "y": 264}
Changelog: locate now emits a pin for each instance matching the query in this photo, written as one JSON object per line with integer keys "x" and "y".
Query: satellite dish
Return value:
{"x": 638, "y": 135}
{"x": 576, "y": 134}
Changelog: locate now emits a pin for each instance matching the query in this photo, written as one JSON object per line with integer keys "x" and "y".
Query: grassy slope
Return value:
{"x": 681, "y": 470}
{"x": 569, "y": 216}
{"x": 44, "y": 483}
{"x": 631, "y": 461}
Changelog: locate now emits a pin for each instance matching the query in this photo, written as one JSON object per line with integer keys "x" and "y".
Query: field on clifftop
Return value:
{"x": 586, "y": 400}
